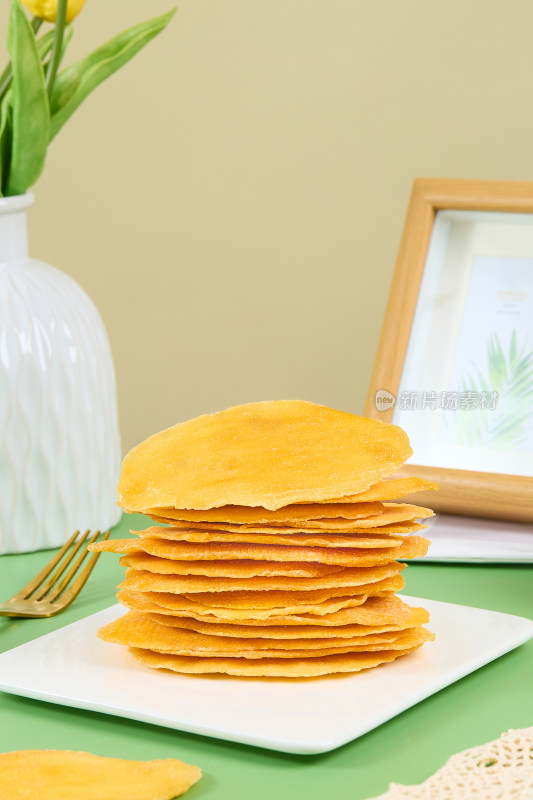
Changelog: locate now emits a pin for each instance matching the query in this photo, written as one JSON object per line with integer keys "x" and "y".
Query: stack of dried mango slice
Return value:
{"x": 280, "y": 555}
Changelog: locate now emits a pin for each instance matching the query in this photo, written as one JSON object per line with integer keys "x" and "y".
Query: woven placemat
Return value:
{"x": 499, "y": 770}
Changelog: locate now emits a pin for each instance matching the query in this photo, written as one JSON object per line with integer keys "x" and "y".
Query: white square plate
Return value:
{"x": 74, "y": 668}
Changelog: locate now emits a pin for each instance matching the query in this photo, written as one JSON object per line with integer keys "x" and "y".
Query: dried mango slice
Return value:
{"x": 229, "y": 569}
{"x": 415, "y": 618}
{"x": 388, "y": 536}
{"x": 287, "y": 515}
{"x": 273, "y": 667}
{"x": 388, "y": 490}
{"x": 412, "y": 547}
{"x": 145, "y": 581}
{"x": 268, "y": 454}
{"x": 339, "y": 610}
{"x": 141, "y": 630}
{"x": 67, "y": 774}
{"x": 340, "y": 507}
{"x": 392, "y": 513}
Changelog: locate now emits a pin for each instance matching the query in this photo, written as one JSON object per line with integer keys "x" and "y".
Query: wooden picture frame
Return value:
{"x": 462, "y": 491}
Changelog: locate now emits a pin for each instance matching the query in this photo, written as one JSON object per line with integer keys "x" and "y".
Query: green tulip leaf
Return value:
{"x": 5, "y": 139}
{"x": 74, "y": 84}
{"x": 44, "y": 44}
{"x": 30, "y": 110}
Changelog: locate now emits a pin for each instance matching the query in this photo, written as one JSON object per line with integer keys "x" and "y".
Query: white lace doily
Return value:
{"x": 499, "y": 770}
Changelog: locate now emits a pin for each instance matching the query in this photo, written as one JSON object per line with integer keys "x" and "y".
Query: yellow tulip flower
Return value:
{"x": 47, "y": 9}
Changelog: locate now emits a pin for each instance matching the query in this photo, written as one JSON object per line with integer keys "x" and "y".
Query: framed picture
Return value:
{"x": 454, "y": 366}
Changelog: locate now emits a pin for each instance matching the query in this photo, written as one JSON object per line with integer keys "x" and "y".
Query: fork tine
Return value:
{"x": 61, "y": 568}
{"x": 73, "y": 591}
{"x": 56, "y": 589}
{"x": 36, "y": 582}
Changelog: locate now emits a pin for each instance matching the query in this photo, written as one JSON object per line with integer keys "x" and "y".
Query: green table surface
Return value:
{"x": 406, "y": 749}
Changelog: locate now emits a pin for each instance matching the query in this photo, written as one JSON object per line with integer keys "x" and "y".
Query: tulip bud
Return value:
{"x": 47, "y": 9}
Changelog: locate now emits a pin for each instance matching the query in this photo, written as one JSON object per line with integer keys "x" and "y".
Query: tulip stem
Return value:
{"x": 57, "y": 46}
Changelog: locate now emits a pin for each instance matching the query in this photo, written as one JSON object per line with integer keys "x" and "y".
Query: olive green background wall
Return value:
{"x": 233, "y": 199}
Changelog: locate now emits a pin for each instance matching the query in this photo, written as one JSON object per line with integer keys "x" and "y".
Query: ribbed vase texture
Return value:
{"x": 59, "y": 436}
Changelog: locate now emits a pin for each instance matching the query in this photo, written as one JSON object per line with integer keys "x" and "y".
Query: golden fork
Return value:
{"x": 44, "y": 598}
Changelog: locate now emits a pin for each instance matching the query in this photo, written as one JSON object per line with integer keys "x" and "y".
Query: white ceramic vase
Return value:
{"x": 59, "y": 435}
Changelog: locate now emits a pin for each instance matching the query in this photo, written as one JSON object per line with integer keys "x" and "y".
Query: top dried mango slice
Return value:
{"x": 268, "y": 454}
